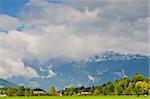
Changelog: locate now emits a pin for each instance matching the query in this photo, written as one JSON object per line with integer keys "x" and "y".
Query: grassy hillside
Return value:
{"x": 80, "y": 97}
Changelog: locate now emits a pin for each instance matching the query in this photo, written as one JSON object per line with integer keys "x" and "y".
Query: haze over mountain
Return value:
{"x": 6, "y": 84}
{"x": 95, "y": 70}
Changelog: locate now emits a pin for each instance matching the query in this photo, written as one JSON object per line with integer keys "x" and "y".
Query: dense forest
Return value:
{"x": 136, "y": 85}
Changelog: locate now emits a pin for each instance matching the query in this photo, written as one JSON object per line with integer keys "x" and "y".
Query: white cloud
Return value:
{"x": 91, "y": 78}
{"x": 68, "y": 31}
{"x": 47, "y": 72}
{"x": 13, "y": 47}
{"x": 42, "y": 70}
{"x": 10, "y": 67}
{"x": 121, "y": 73}
{"x": 8, "y": 22}
{"x": 51, "y": 73}
{"x": 45, "y": 13}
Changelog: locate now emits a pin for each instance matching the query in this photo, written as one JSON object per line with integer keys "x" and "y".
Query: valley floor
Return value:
{"x": 79, "y": 97}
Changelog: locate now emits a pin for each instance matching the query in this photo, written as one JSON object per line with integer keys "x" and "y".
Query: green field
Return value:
{"x": 80, "y": 97}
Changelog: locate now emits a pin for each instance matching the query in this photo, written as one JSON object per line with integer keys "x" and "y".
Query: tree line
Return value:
{"x": 136, "y": 85}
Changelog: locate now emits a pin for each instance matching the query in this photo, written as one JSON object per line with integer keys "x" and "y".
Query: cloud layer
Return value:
{"x": 73, "y": 29}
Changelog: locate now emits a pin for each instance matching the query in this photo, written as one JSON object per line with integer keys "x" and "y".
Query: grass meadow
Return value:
{"x": 79, "y": 97}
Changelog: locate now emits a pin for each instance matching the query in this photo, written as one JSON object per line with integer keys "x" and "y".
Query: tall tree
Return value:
{"x": 52, "y": 91}
{"x": 118, "y": 88}
{"x": 11, "y": 91}
{"x": 143, "y": 86}
{"x": 128, "y": 90}
{"x": 96, "y": 92}
{"x": 70, "y": 91}
{"x": 27, "y": 92}
{"x": 21, "y": 91}
{"x": 137, "y": 77}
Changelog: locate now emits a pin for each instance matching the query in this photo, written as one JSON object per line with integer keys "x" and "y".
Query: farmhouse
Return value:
{"x": 39, "y": 92}
{"x": 2, "y": 94}
{"x": 84, "y": 92}
{"x": 60, "y": 93}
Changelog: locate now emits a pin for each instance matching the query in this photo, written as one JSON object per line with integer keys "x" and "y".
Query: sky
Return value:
{"x": 68, "y": 29}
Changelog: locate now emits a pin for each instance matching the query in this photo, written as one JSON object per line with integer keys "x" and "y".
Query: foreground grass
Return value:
{"x": 79, "y": 97}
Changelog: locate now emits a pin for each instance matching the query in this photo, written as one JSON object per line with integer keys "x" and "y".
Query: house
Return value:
{"x": 2, "y": 92}
{"x": 39, "y": 92}
{"x": 2, "y": 95}
{"x": 83, "y": 92}
{"x": 60, "y": 93}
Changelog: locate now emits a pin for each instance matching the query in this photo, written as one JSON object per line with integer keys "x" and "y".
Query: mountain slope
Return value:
{"x": 94, "y": 70}
{"x": 6, "y": 84}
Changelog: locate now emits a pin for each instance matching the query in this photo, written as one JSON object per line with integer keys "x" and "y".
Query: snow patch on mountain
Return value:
{"x": 110, "y": 55}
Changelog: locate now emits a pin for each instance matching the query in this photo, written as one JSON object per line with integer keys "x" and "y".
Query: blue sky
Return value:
{"x": 11, "y": 7}
{"x": 68, "y": 29}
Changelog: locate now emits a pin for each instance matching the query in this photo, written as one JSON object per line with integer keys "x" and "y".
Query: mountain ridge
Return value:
{"x": 90, "y": 71}
{"x": 6, "y": 84}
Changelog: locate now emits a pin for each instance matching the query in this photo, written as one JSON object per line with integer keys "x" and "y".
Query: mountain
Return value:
{"x": 110, "y": 55}
{"x": 94, "y": 70}
{"x": 6, "y": 84}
